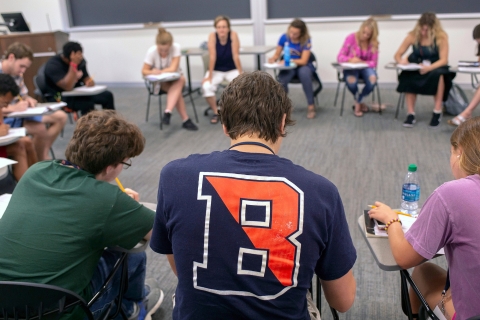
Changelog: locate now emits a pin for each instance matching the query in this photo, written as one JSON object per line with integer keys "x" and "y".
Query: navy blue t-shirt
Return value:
{"x": 248, "y": 231}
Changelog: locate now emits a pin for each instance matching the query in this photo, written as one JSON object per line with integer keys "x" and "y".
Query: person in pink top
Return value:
{"x": 449, "y": 219}
{"x": 361, "y": 47}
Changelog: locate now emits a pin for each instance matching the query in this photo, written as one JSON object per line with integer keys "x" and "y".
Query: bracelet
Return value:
{"x": 390, "y": 222}
{"x": 74, "y": 65}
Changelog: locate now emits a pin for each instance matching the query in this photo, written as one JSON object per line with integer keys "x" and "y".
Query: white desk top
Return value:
{"x": 40, "y": 109}
{"x": 13, "y": 135}
{"x": 84, "y": 91}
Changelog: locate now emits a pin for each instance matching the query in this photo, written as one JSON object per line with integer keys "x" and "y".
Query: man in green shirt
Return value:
{"x": 63, "y": 214}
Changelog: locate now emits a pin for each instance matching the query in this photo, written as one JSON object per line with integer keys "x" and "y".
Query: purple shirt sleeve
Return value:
{"x": 432, "y": 230}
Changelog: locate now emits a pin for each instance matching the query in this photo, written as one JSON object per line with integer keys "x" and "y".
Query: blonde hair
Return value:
{"x": 467, "y": 137}
{"x": 373, "y": 26}
{"x": 220, "y": 18}
{"x": 164, "y": 37}
{"x": 436, "y": 31}
{"x": 299, "y": 24}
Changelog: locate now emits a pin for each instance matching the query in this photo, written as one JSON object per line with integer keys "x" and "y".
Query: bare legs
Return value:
{"x": 411, "y": 98}
{"x": 467, "y": 113}
{"x": 430, "y": 280}
{"x": 23, "y": 152}
{"x": 43, "y": 137}
{"x": 175, "y": 97}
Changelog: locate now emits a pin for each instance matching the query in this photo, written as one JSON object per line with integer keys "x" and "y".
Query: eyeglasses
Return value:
{"x": 127, "y": 165}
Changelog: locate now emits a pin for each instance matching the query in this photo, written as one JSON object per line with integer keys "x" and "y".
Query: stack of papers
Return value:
{"x": 410, "y": 66}
{"x": 41, "y": 108}
{"x": 468, "y": 64}
{"x": 348, "y": 65}
{"x": 469, "y": 69}
{"x": 167, "y": 76}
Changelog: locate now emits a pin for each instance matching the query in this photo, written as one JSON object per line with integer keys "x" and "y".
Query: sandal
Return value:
{"x": 458, "y": 120}
{"x": 215, "y": 118}
{"x": 363, "y": 107}
{"x": 311, "y": 113}
{"x": 358, "y": 114}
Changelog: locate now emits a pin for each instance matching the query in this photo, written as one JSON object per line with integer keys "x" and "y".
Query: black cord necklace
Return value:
{"x": 252, "y": 143}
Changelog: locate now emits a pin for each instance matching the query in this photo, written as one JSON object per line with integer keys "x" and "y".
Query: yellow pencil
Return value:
{"x": 120, "y": 184}
{"x": 397, "y": 212}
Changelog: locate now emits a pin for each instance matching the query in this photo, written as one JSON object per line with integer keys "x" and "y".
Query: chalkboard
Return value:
{"x": 112, "y": 12}
{"x": 277, "y": 9}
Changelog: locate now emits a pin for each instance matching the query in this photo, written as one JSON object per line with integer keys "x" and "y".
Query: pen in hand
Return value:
{"x": 396, "y": 211}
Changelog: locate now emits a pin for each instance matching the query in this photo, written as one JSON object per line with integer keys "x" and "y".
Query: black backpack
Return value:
{"x": 456, "y": 102}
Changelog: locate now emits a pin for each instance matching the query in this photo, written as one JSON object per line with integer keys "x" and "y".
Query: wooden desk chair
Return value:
{"x": 32, "y": 300}
{"x": 341, "y": 79}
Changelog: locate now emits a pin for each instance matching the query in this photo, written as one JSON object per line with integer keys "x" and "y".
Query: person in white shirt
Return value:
{"x": 165, "y": 57}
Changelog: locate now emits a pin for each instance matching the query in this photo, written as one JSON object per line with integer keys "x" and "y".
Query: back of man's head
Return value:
{"x": 70, "y": 47}
{"x": 8, "y": 84}
{"x": 255, "y": 103}
{"x": 102, "y": 139}
{"x": 19, "y": 51}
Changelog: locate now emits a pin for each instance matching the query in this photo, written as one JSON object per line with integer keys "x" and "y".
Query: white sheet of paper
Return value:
{"x": 4, "y": 200}
{"x": 349, "y": 65}
{"x": 277, "y": 65}
{"x": 40, "y": 109}
{"x": 167, "y": 76}
{"x": 13, "y": 135}
{"x": 6, "y": 162}
{"x": 89, "y": 89}
{"x": 410, "y": 66}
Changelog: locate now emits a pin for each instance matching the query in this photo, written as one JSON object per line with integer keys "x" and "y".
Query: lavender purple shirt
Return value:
{"x": 450, "y": 218}
{"x": 351, "y": 49}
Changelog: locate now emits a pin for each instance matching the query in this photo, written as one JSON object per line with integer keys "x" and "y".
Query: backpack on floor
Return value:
{"x": 456, "y": 102}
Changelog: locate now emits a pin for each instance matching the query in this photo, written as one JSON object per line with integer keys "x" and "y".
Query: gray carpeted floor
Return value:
{"x": 366, "y": 158}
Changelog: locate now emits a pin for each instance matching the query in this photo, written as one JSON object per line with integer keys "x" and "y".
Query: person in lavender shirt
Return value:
{"x": 449, "y": 219}
{"x": 361, "y": 47}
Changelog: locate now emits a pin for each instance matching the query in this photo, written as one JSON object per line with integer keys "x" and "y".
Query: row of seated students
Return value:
{"x": 243, "y": 229}
{"x": 61, "y": 74}
{"x": 428, "y": 41}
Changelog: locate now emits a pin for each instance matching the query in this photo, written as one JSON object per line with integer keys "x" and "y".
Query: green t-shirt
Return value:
{"x": 58, "y": 222}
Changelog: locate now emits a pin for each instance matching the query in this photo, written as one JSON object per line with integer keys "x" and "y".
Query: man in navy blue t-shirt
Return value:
{"x": 243, "y": 229}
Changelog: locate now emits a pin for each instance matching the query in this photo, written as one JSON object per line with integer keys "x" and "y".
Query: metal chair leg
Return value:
{"x": 400, "y": 102}
{"x": 379, "y": 100}
{"x": 148, "y": 107}
{"x": 343, "y": 99}
{"x": 193, "y": 105}
{"x": 336, "y": 95}
{"x": 160, "y": 111}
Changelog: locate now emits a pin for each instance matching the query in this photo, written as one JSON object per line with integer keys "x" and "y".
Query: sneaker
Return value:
{"x": 152, "y": 301}
{"x": 436, "y": 118}
{"x": 136, "y": 311}
{"x": 166, "y": 118}
{"x": 410, "y": 121}
{"x": 189, "y": 125}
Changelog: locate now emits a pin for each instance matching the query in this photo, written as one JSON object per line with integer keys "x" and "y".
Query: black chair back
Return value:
{"x": 22, "y": 300}
{"x": 41, "y": 87}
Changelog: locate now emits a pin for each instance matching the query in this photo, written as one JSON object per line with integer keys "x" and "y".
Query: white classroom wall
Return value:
{"x": 116, "y": 57}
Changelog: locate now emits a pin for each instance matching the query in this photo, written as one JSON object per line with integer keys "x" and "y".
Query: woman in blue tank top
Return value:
{"x": 224, "y": 62}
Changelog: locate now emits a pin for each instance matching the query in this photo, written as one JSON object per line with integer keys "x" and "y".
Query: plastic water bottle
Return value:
{"x": 286, "y": 54}
{"x": 411, "y": 191}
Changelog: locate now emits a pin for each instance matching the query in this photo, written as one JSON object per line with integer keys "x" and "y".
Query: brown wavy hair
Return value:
{"x": 299, "y": 24}
{"x": 220, "y": 18}
{"x": 254, "y": 103}
{"x": 19, "y": 51}
{"x": 102, "y": 139}
{"x": 436, "y": 31}
{"x": 373, "y": 26}
{"x": 467, "y": 137}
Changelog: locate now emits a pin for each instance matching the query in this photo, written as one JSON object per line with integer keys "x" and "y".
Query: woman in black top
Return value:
{"x": 430, "y": 49}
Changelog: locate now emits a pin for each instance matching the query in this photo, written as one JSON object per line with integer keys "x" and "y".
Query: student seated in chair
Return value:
{"x": 63, "y": 213}
{"x": 162, "y": 58}
{"x": 245, "y": 230}
{"x": 22, "y": 150}
{"x": 43, "y": 129}
{"x": 68, "y": 70}
{"x": 299, "y": 43}
{"x": 361, "y": 47}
